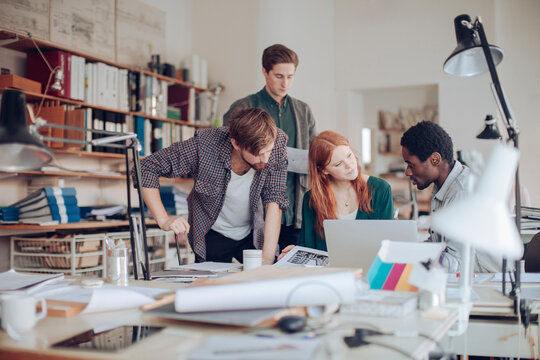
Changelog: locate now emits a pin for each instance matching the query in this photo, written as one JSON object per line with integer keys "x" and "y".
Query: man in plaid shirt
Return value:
{"x": 236, "y": 170}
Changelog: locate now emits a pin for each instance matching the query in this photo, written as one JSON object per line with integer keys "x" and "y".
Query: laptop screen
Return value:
{"x": 355, "y": 243}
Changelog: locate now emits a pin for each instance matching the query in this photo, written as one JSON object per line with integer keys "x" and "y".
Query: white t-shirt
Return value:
{"x": 234, "y": 220}
{"x": 350, "y": 216}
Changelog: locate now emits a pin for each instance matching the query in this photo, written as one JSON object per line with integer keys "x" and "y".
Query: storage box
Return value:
{"x": 73, "y": 255}
{"x": 19, "y": 82}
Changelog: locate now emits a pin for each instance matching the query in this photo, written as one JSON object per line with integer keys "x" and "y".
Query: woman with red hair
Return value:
{"x": 339, "y": 190}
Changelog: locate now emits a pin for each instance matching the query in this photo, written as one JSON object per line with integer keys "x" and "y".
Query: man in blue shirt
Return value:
{"x": 291, "y": 115}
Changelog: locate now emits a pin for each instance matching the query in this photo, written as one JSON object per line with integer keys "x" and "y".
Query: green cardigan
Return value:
{"x": 381, "y": 203}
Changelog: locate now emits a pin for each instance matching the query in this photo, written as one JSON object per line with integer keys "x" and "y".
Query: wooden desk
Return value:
{"x": 180, "y": 338}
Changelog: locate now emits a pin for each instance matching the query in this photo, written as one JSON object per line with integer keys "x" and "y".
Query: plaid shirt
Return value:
{"x": 207, "y": 158}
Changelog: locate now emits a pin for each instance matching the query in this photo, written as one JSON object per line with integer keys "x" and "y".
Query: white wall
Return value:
{"x": 517, "y": 34}
{"x": 233, "y": 34}
{"x": 178, "y": 29}
{"x": 390, "y": 43}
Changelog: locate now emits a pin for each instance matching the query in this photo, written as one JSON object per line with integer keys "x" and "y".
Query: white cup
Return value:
{"x": 252, "y": 258}
{"x": 19, "y": 311}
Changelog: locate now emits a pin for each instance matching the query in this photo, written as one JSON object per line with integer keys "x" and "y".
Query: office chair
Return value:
{"x": 532, "y": 255}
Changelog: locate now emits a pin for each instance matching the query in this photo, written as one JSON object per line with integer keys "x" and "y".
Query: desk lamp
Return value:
{"x": 491, "y": 131}
{"x": 20, "y": 150}
{"x": 473, "y": 56}
{"x": 27, "y": 152}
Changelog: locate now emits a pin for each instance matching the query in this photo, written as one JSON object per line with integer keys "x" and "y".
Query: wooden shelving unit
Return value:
{"x": 24, "y": 44}
{"x": 82, "y": 225}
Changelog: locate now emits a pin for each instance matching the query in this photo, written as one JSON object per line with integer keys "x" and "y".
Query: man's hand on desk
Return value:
{"x": 177, "y": 224}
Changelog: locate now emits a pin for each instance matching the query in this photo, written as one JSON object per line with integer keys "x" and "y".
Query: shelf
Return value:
{"x": 59, "y": 255}
{"x": 65, "y": 173}
{"x": 87, "y": 154}
{"x": 72, "y": 226}
{"x": 24, "y": 44}
{"x": 30, "y": 95}
{"x": 395, "y": 130}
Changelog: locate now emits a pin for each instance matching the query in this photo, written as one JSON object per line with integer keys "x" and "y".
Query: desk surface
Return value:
{"x": 180, "y": 338}
{"x": 494, "y": 330}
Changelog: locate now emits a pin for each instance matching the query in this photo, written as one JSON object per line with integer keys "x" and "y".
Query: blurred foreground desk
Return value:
{"x": 493, "y": 328}
{"x": 179, "y": 339}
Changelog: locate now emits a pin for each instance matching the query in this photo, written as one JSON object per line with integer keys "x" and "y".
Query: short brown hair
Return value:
{"x": 252, "y": 129}
{"x": 278, "y": 54}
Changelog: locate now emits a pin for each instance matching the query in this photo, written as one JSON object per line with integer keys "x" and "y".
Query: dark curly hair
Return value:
{"x": 425, "y": 138}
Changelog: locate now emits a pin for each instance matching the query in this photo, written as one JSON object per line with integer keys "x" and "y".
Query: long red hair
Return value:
{"x": 323, "y": 200}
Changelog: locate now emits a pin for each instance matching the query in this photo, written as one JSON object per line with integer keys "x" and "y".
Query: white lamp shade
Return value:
{"x": 482, "y": 219}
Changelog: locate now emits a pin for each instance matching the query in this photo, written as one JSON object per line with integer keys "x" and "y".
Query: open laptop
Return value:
{"x": 355, "y": 243}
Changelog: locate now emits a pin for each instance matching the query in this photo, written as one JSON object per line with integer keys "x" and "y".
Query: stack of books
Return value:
{"x": 174, "y": 200}
{"x": 530, "y": 218}
{"x": 48, "y": 205}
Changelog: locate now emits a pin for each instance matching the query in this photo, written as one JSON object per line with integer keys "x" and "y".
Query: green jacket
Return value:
{"x": 381, "y": 203}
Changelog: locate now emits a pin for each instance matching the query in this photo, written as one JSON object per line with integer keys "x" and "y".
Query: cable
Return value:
{"x": 359, "y": 339}
{"x": 52, "y": 72}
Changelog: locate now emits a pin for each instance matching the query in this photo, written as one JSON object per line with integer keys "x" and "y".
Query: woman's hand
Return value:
{"x": 285, "y": 251}
{"x": 178, "y": 224}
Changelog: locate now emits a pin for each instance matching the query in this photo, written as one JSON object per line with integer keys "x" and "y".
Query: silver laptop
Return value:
{"x": 355, "y": 243}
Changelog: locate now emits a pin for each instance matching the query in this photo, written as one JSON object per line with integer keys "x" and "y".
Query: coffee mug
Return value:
{"x": 19, "y": 311}
{"x": 252, "y": 258}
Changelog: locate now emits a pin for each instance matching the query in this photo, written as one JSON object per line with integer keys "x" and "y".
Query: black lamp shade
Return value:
{"x": 20, "y": 150}
{"x": 468, "y": 58}
{"x": 491, "y": 131}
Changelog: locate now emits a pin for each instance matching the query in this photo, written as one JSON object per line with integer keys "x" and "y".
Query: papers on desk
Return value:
{"x": 208, "y": 266}
{"x": 30, "y": 283}
{"x": 255, "y": 317}
{"x": 269, "y": 287}
{"x": 298, "y": 160}
{"x": 182, "y": 274}
{"x": 74, "y": 299}
{"x": 303, "y": 256}
{"x": 252, "y": 347}
{"x": 524, "y": 277}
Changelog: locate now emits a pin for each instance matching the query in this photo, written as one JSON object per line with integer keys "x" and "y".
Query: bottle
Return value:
{"x": 117, "y": 264}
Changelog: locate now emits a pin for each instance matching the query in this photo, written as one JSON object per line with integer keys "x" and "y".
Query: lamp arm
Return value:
{"x": 511, "y": 128}
{"x": 511, "y": 125}
{"x": 107, "y": 141}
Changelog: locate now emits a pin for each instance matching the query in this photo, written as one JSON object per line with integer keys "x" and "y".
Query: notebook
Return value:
{"x": 355, "y": 243}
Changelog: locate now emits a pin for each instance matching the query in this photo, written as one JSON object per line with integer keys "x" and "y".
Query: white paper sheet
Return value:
{"x": 107, "y": 298}
{"x": 295, "y": 291}
{"x": 251, "y": 347}
{"x": 12, "y": 281}
{"x": 208, "y": 266}
{"x": 298, "y": 160}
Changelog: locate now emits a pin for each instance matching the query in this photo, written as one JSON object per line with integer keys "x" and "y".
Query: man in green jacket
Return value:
{"x": 293, "y": 116}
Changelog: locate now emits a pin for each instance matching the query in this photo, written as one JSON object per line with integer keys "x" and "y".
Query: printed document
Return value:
{"x": 303, "y": 256}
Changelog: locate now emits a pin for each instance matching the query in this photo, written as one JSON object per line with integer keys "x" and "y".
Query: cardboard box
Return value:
{"x": 18, "y": 82}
